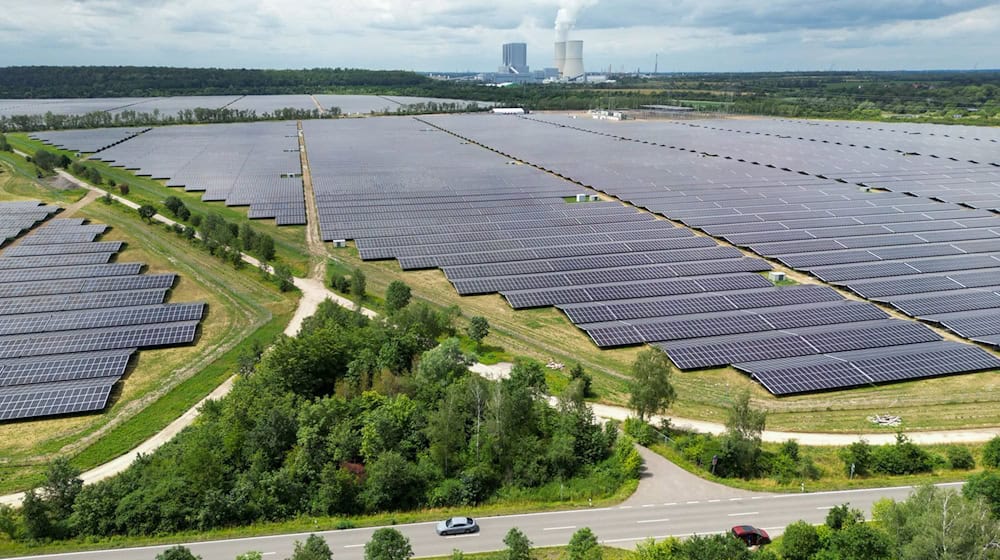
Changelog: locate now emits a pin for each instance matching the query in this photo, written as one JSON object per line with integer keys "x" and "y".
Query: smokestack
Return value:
{"x": 573, "y": 65}
{"x": 560, "y": 55}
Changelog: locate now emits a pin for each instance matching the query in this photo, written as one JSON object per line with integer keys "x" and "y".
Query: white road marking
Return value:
{"x": 648, "y": 505}
{"x": 714, "y": 501}
{"x": 653, "y": 521}
{"x": 624, "y": 507}
{"x": 694, "y": 502}
{"x": 353, "y": 545}
{"x": 735, "y": 499}
{"x": 826, "y": 507}
{"x": 462, "y": 536}
{"x": 566, "y": 528}
{"x": 743, "y": 513}
{"x": 267, "y": 553}
{"x": 670, "y": 504}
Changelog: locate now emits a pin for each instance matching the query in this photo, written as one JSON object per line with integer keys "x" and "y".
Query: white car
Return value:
{"x": 457, "y": 526}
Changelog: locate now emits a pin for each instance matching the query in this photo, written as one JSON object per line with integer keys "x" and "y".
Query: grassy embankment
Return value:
{"x": 160, "y": 383}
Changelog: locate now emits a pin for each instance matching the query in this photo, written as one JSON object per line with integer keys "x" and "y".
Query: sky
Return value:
{"x": 461, "y": 35}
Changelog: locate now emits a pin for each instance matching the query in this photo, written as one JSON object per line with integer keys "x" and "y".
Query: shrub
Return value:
{"x": 518, "y": 545}
{"x": 583, "y": 546}
{"x": 903, "y": 457}
{"x": 991, "y": 453}
{"x": 640, "y": 431}
{"x": 985, "y": 485}
{"x": 959, "y": 457}
{"x": 388, "y": 544}
{"x": 800, "y": 541}
{"x": 841, "y": 516}
{"x": 858, "y": 454}
{"x": 123, "y": 188}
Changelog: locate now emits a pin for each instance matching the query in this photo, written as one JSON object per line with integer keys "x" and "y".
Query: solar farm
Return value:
{"x": 658, "y": 233}
{"x": 71, "y": 317}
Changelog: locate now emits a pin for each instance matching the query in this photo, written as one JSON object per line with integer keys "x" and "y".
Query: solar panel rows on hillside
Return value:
{"x": 498, "y": 227}
{"x": 68, "y": 326}
{"x": 243, "y": 164}
{"x": 18, "y": 217}
{"x": 831, "y": 229}
{"x": 829, "y": 221}
{"x": 90, "y": 140}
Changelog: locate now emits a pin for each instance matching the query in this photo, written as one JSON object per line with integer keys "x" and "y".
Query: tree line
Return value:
{"x": 41, "y": 82}
{"x": 354, "y": 415}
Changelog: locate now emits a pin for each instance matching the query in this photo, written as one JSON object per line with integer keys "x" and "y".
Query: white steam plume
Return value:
{"x": 566, "y": 16}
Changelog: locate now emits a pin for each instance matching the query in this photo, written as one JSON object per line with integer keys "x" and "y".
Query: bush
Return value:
{"x": 123, "y": 188}
{"x": 903, "y": 457}
{"x": 358, "y": 283}
{"x": 388, "y": 544}
{"x": 450, "y": 492}
{"x": 841, "y": 516}
{"x": 991, "y": 453}
{"x": 800, "y": 541}
{"x": 583, "y": 546}
{"x": 177, "y": 553}
{"x": 640, "y": 431}
{"x": 518, "y": 545}
{"x": 985, "y": 485}
{"x": 858, "y": 454}
{"x": 959, "y": 457}
{"x": 397, "y": 296}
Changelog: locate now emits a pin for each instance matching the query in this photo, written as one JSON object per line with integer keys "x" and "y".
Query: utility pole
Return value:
{"x": 656, "y": 64}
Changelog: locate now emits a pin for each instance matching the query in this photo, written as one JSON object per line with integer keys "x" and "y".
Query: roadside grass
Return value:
{"x": 290, "y": 241}
{"x": 306, "y": 524}
{"x": 161, "y": 383}
{"x": 544, "y": 553}
{"x": 834, "y": 476}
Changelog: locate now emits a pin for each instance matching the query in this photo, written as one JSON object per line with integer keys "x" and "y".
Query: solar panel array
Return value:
{"x": 68, "y": 326}
{"x": 831, "y": 229}
{"x": 18, "y": 217}
{"x": 88, "y": 141}
{"x": 244, "y": 164}
{"x": 405, "y": 190}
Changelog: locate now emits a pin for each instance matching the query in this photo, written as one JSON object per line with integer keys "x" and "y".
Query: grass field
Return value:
{"x": 160, "y": 383}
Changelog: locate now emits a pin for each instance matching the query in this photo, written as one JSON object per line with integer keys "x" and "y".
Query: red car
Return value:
{"x": 750, "y": 535}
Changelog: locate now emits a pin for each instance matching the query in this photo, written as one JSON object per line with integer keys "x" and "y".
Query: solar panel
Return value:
{"x": 47, "y": 399}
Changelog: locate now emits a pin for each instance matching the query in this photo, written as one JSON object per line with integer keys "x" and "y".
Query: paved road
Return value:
{"x": 621, "y": 526}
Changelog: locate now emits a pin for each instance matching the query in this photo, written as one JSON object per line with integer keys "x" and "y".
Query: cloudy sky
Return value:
{"x": 457, "y": 35}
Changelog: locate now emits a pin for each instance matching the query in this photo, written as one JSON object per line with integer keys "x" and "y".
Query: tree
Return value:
{"x": 578, "y": 373}
{"x": 841, "y": 516}
{"x": 388, "y": 544}
{"x": 46, "y": 160}
{"x": 62, "y": 485}
{"x": 315, "y": 548}
{"x": 800, "y": 541}
{"x": 741, "y": 443}
{"x": 985, "y": 485}
{"x": 397, "y": 296}
{"x": 991, "y": 453}
{"x": 37, "y": 518}
{"x": 583, "y": 546}
{"x": 4, "y": 145}
{"x": 518, "y": 545}
{"x": 177, "y": 553}
{"x": 358, "y": 284}
{"x": 146, "y": 212}
{"x": 172, "y": 203}
{"x": 265, "y": 247}
{"x": 283, "y": 278}
{"x": 650, "y": 389}
{"x": 479, "y": 327}
{"x": 8, "y": 522}
{"x": 123, "y": 188}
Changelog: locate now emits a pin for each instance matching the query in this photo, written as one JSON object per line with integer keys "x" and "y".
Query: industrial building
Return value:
{"x": 515, "y": 58}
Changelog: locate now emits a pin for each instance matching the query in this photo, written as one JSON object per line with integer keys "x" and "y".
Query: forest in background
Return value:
{"x": 969, "y": 97}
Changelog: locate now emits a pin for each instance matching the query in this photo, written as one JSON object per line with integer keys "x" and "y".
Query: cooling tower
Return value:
{"x": 573, "y": 64}
{"x": 560, "y": 55}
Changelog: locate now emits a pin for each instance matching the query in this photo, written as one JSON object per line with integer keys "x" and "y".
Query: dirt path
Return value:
{"x": 76, "y": 206}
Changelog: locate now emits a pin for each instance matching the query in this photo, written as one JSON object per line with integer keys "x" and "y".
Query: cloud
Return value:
{"x": 441, "y": 35}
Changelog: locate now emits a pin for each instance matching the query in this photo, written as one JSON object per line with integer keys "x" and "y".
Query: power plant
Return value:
{"x": 568, "y": 54}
